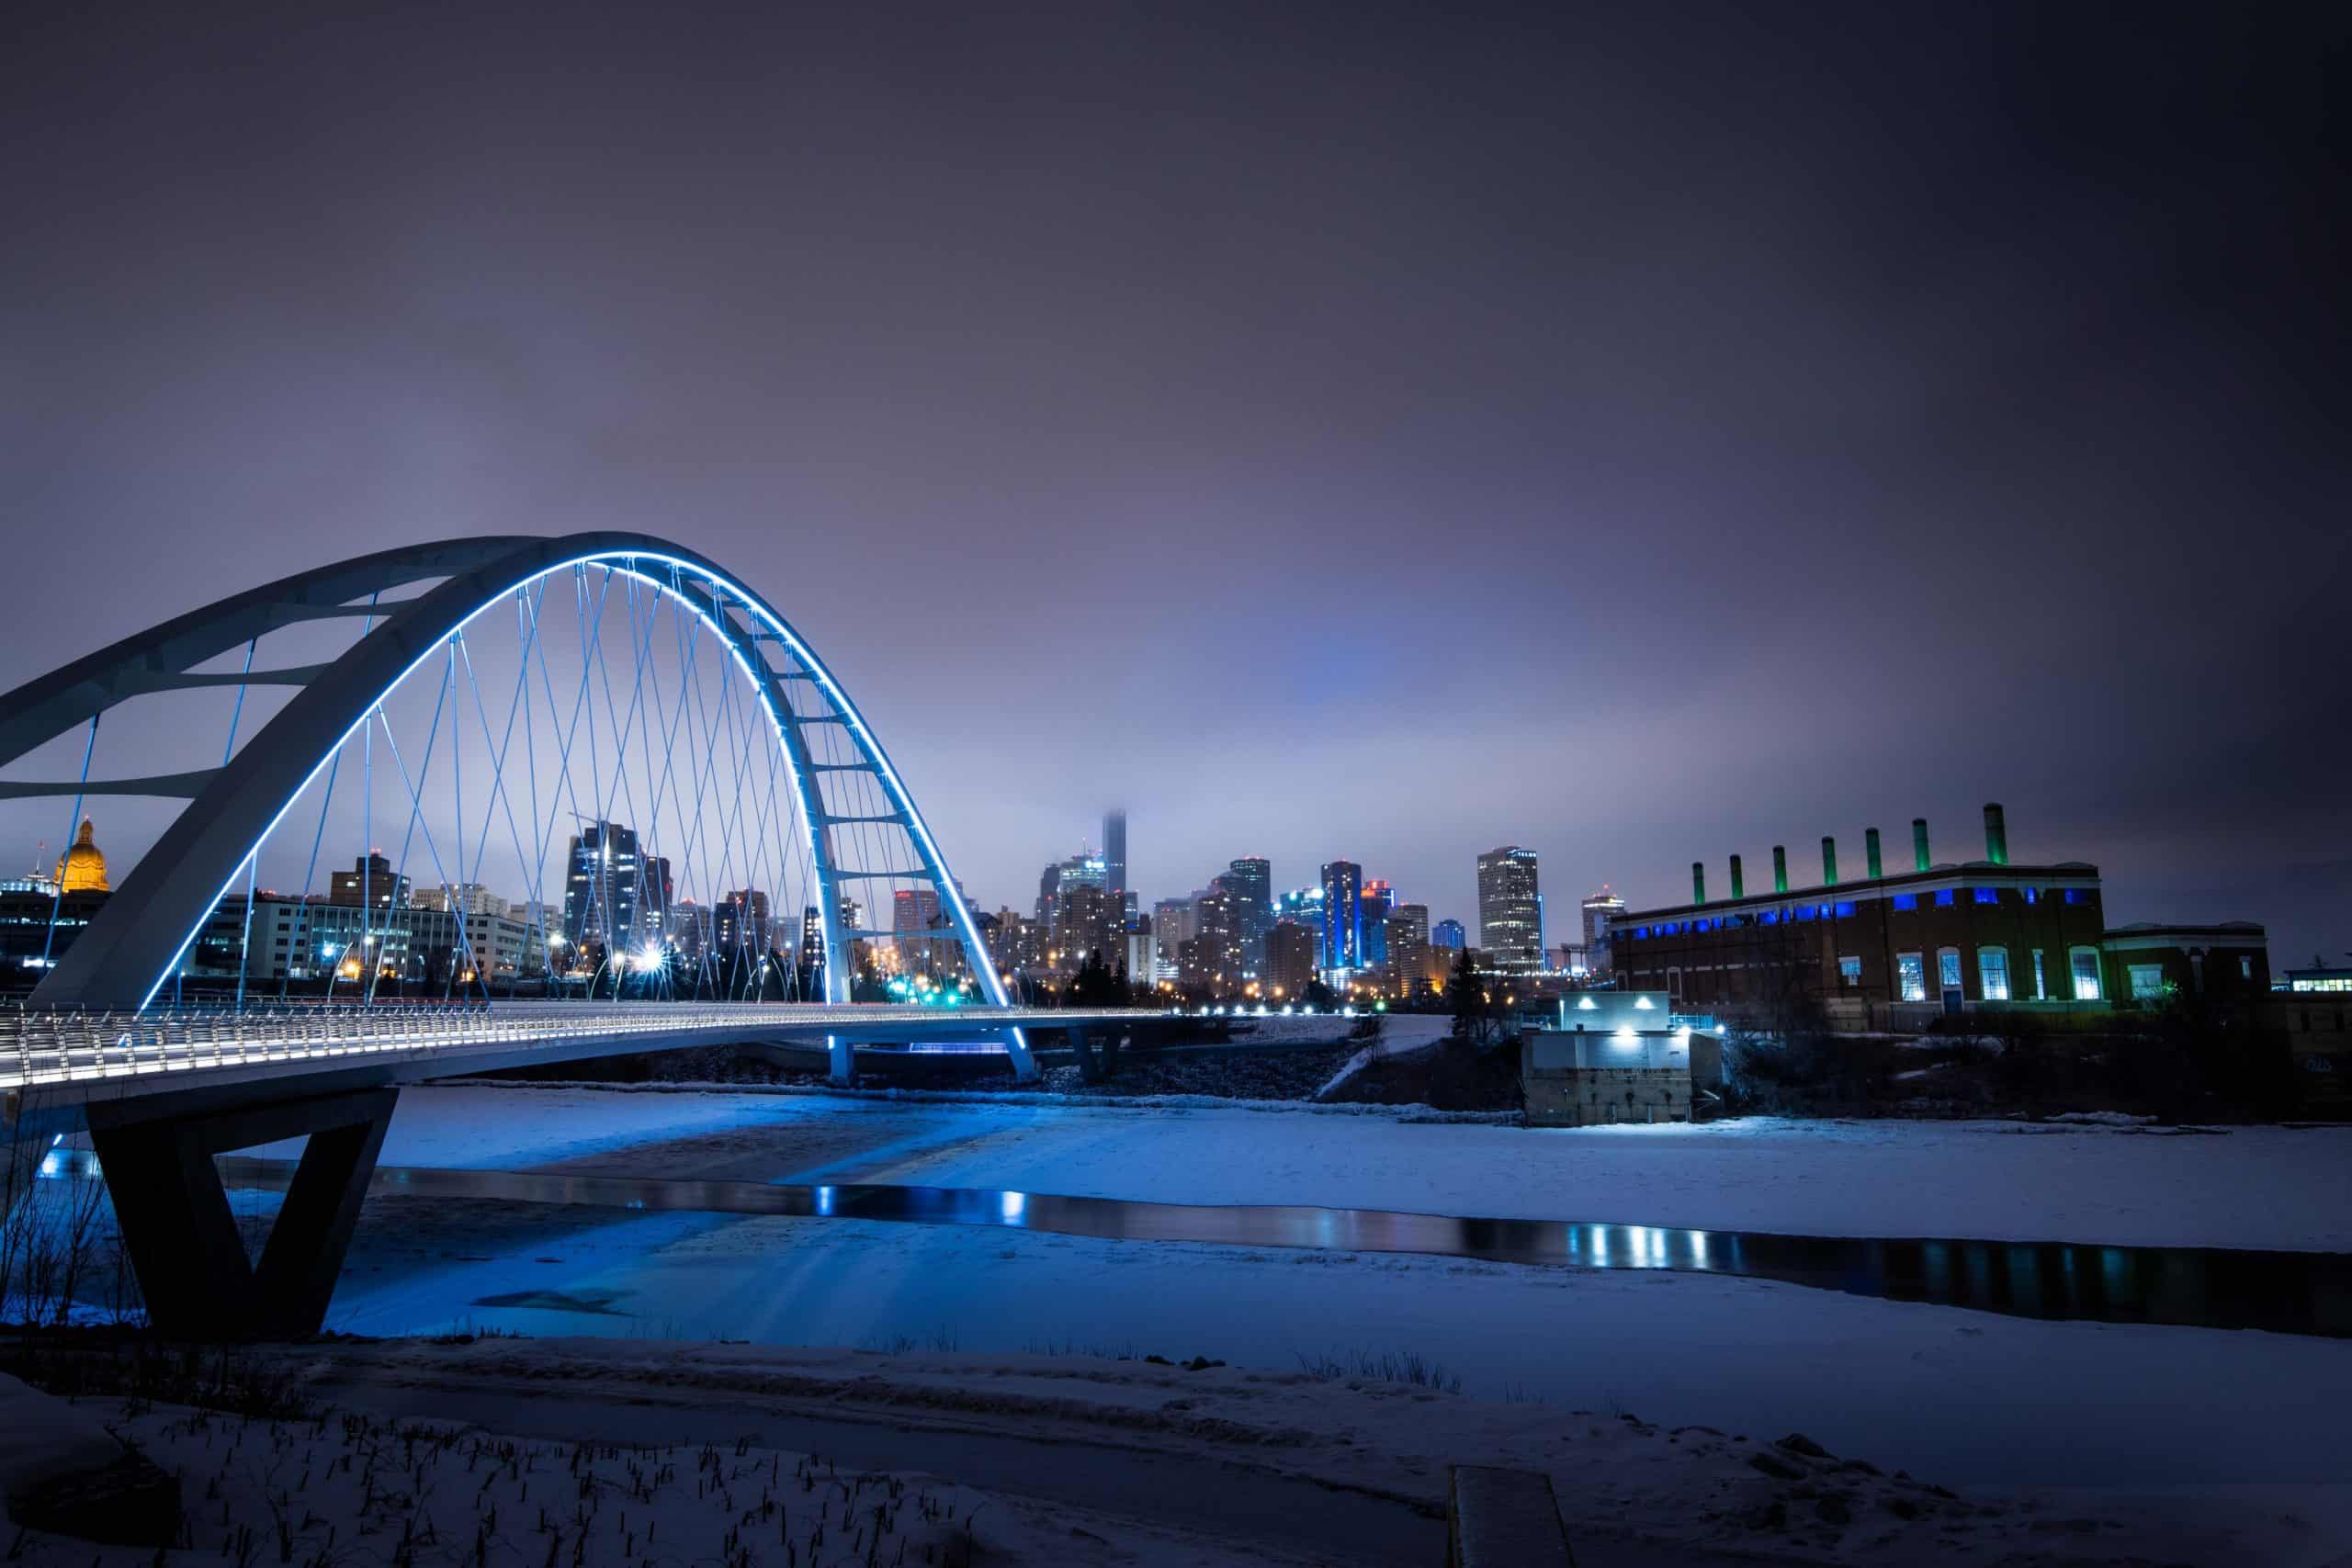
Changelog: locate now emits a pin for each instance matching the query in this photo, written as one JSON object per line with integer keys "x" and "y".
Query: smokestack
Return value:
{"x": 1996, "y": 836}
{"x": 1738, "y": 882}
{"x": 1828, "y": 860}
{"x": 1698, "y": 882}
{"x": 1780, "y": 868}
{"x": 1870, "y": 851}
{"x": 1919, "y": 840}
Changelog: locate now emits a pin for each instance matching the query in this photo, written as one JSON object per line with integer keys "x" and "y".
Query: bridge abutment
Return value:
{"x": 182, "y": 1236}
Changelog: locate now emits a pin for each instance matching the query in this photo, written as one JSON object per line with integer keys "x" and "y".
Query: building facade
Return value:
{"x": 1343, "y": 916}
{"x": 1510, "y": 914}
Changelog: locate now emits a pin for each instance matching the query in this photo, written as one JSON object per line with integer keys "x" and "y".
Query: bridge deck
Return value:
{"x": 69, "y": 1058}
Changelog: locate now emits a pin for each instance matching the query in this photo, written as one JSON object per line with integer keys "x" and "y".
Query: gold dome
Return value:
{"x": 82, "y": 869}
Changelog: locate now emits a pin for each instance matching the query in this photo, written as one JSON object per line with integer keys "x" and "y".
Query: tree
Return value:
{"x": 1094, "y": 985}
{"x": 1477, "y": 1017}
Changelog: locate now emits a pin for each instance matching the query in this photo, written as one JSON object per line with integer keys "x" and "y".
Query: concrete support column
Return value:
{"x": 182, "y": 1238}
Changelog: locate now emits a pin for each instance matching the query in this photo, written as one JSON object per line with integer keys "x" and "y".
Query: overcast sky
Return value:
{"x": 1642, "y": 434}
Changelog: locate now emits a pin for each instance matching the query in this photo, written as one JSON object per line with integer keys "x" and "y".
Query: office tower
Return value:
{"x": 1377, "y": 898}
{"x": 1142, "y": 955}
{"x": 653, "y": 907}
{"x": 1449, "y": 934}
{"x": 1303, "y": 907}
{"x": 690, "y": 929}
{"x": 741, "y": 926}
{"x": 602, "y": 888}
{"x": 1510, "y": 916}
{"x": 1171, "y": 927}
{"x": 1408, "y": 947}
{"x": 369, "y": 882}
{"x": 1252, "y": 878}
{"x": 1599, "y": 910}
{"x": 1290, "y": 960}
{"x": 1086, "y": 921}
{"x": 1342, "y": 915}
{"x": 1081, "y": 870}
{"x": 1114, "y": 853}
{"x": 1212, "y": 957}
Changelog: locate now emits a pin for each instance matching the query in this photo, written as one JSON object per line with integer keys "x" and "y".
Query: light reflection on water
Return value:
{"x": 2292, "y": 1293}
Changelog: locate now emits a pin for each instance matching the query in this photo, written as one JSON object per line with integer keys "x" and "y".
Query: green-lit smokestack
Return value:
{"x": 1780, "y": 868}
{"x": 1828, "y": 860}
{"x": 1919, "y": 842}
{"x": 1738, "y": 882}
{"x": 1996, "y": 836}
{"x": 1870, "y": 851}
{"x": 1698, "y": 882}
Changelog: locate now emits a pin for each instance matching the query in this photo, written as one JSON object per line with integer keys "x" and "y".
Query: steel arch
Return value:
{"x": 164, "y": 902}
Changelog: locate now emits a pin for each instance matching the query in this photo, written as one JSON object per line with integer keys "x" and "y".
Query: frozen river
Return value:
{"x": 1962, "y": 1396}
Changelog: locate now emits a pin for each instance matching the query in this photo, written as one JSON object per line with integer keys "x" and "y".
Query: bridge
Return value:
{"x": 709, "y": 845}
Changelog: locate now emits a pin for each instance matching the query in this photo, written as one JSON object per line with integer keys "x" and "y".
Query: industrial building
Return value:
{"x": 1892, "y": 949}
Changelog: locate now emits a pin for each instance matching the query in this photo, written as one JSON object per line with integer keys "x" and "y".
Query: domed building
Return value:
{"x": 83, "y": 869}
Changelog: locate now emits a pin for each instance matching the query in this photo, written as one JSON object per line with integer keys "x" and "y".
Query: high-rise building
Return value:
{"x": 602, "y": 886}
{"x": 370, "y": 884}
{"x": 653, "y": 908}
{"x": 1377, "y": 898}
{"x": 742, "y": 927}
{"x": 1252, "y": 878}
{"x": 1450, "y": 935}
{"x": 1510, "y": 914}
{"x": 1303, "y": 907}
{"x": 1142, "y": 954}
{"x": 1087, "y": 919}
{"x": 1211, "y": 958}
{"x": 1114, "y": 853}
{"x": 1343, "y": 915}
{"x": 1290, "y": 960}
{"x": 1171, "y": 927}
{"x": 1408, "y": 947}
{"x": 1599, "y": 910}
{"x": 1081, "y": 870}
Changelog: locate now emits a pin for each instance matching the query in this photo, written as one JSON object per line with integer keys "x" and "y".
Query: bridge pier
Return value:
{"x": 182, "y": 1238}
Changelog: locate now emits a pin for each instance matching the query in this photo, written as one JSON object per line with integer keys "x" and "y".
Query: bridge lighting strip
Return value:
{"x": 624, "y": 562}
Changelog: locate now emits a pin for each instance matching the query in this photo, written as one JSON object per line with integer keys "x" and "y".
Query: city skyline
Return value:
{"x": 1550, "y": 344}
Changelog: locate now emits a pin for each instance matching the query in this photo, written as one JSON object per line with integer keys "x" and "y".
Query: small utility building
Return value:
{"x": 1618, "y": 1056}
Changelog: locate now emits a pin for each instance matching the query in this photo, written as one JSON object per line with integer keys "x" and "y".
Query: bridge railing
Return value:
{"x": 42, "y": 1049}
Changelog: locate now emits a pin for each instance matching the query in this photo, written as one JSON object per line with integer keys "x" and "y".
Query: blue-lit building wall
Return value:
{"x": 1342, "y": 915}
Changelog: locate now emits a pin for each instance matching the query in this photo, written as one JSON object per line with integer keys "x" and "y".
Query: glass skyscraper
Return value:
{"x": 1511, "y": 909}
{"x": 1343, "y": 915}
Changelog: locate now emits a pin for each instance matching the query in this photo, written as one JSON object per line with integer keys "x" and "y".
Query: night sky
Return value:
{"x": 1642, "y": 434}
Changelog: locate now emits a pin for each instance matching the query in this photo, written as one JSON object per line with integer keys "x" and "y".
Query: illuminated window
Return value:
{"x": 1948, "y": 968}
{"x": 1943, "y": 899}
{"x": 1987, "y": 895}
{"x": 2033, "y": 895}
{"x": 1911, "y": 975}
{"x": 1992, "y": 974}
{"x": 1845, "y": 910}
{"x": 1907, "y": 900}
{"x": 2148, "y": 982}
{"x": 2245, "y": 967}
{"x": 2040, "y": 986}
{"x": 2078, "y": 896}
{"x": 2083, "y": 960}
{"x": 1849, "y": 971}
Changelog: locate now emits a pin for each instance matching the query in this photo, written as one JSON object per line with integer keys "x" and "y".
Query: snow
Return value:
{"x": 2125, "y": 1186}
{"x": 426, "y": 1492}
{"x": 2137, "y": 1423}
{"x": 1159, "y": 1449}
{"x": 41, "y": 1437}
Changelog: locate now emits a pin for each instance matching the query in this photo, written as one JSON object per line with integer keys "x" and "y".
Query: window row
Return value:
{"x": 1993, "y": 979}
